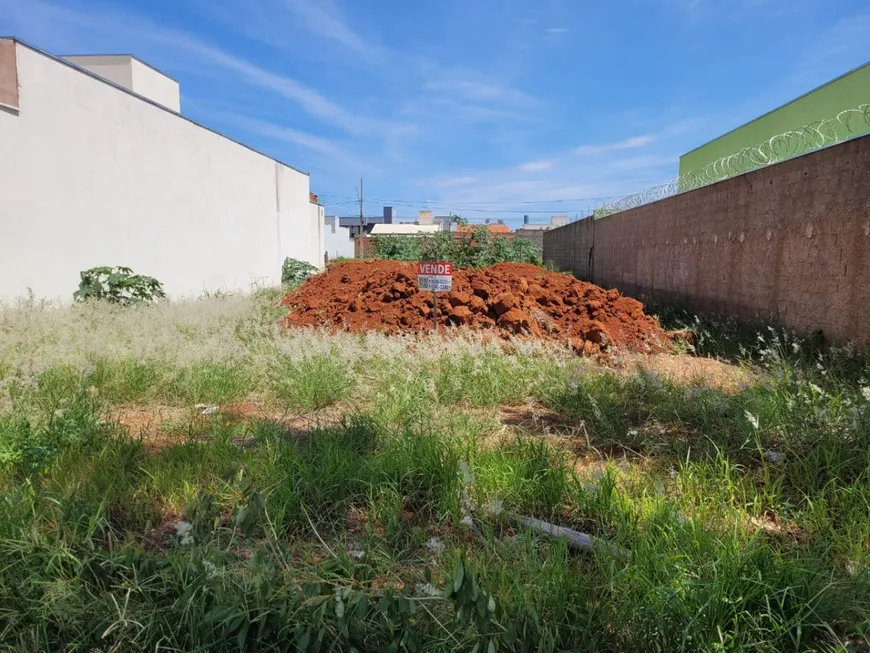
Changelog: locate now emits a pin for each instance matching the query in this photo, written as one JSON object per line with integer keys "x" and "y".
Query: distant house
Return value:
{"x": 444, "y": 222}
{"x": 404, "y": 229}
{"x": 352, "y": 222}
{"x": 101, "y": 167}
{"x": 535, "y": 232}
{"x": 494, "y": 228}
{"x": 337, "y": 239}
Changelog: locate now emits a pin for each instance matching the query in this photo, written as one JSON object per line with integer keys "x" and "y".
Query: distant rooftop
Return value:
{"x": 134, "y": 75}
{"x": 404, "y": 229}
{"x": 83, "y": 57}
{"x": 535, "y": 227}
{"x": 492, "y": 227}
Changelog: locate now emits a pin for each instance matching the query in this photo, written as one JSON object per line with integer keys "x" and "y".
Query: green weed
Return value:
{"x": 745, "y": 510}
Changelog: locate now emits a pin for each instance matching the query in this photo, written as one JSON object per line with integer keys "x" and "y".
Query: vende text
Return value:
{"x": 435, "y": 269}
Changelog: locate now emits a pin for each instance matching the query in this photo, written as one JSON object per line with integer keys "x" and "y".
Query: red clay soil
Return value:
{"x": 509, "y": 298}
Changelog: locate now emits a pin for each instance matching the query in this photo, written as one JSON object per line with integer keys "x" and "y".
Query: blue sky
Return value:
{"x": 487, "y": 108}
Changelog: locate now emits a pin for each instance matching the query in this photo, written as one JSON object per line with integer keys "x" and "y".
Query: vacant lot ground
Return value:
{"x": 190, "y": 477}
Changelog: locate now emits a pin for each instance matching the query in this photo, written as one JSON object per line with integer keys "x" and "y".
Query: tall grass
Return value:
{"x": 746, "y": 509}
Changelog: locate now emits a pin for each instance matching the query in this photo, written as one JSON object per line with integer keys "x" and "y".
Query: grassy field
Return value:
{"x": 188, "y": 477}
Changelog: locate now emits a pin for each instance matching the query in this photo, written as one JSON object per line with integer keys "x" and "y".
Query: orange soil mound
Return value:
{"x": 509, "y": 298}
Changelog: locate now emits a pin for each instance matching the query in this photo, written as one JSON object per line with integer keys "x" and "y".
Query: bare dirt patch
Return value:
{"x": 159, "y": 425}
{"x": 687, "y": 370}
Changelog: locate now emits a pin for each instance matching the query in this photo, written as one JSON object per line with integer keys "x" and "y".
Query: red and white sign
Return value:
{"x": 434, "y": 276}
{"x": 429, "y": 268}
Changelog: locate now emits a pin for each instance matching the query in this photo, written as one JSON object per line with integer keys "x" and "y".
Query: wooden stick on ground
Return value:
{"x": 575, "y": 539}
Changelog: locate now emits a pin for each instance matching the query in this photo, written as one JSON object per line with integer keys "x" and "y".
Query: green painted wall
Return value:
{"x": 846, "y": 92}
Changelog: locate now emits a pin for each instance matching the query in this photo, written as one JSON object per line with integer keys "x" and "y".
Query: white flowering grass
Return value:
{"x": 744, "y": 507}
{"x": 222, "y": 350}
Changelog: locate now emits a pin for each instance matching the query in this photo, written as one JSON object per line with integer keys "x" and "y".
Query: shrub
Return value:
{"x": 478, "y": 249}
{"x": 118, "y": 285}
{"x": 294, "y": 272}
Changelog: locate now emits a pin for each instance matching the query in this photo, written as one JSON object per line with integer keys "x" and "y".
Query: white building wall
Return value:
{"x": 156, "y": 86}
{"x": 91, "y": 175}
{"x": 127, "y": 71}
{"x": 338, "y": 240}
{"x": 315, "y": 233}
{"x": 115, "y": 68}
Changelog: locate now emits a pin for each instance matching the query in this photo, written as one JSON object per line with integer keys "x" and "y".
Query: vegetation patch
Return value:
{"x": 477, "y": 249}
{"x": 118, "y": 285}
{"x": 190, "y": 476}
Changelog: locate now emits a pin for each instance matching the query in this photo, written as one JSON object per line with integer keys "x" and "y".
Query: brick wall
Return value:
{"x": 364, "y": 247}
{"x": 8, "y": 75}
{"x": 790, "y": 241}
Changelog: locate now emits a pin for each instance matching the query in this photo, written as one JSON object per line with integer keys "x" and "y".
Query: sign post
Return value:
{"x": 437, "y": 277}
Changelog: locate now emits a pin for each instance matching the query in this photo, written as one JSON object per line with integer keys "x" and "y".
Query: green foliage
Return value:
{"x": 310, "y": 383}
{"x": 368, "y": 526}
{"x": 294, "y": 272}
{"x": 212, "y": 383}
{"x": 479, "y": 249}
{"x": 118, "y": 285}
{"x": 55, "y": 415}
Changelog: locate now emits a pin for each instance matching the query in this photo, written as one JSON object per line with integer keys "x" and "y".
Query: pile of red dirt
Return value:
{"x": 509, "y": 298}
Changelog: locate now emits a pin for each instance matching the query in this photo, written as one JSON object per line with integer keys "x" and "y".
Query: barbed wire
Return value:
{"x": 814, "y": 136}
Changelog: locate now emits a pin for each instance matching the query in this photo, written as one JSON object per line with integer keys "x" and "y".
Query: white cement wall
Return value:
{"x": 127, "y": 71}
{"x": 156, "y": 86}
{"x": 91, "y": 175}
{"x": 116, "y": 68}
{"x": 338, "y": 240}
{"x": 318, "y": 233}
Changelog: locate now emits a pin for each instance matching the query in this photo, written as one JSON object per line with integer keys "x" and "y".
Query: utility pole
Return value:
{"x": 362, "y": 244}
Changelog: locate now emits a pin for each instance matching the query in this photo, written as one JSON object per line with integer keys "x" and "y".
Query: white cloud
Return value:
{"x": 453, "y": 182}
{"x": 627, "y": 144}
{"x": 688, "y": 5}
{"x": 573, "y": 186}
{"x": 536, "y": 166}
{"x": 557, "y": 30}
{"x": 307, "y": 98}
{"x": 451, "y": 99}
{"x": 568, "y": 183}
{"x": 839, "y": 48}
{"x": 469, "y": 86}
{"x": 322, "y": 17}
{"x": 288, "y": 135}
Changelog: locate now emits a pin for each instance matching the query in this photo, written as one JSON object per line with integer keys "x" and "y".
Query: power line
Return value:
{"x": 517, "y": 213}
{"x": 445, "y": 202}
{"x": 461, "y": 207}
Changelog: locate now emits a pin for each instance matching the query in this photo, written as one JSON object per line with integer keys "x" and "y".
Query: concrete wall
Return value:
{"x": 156, "y": 86}
{"x": 338, "y": 240}
{"x": 115, "y": 68}
{"x": 846, "y": 92}
{"x": 92, "y": 175}
{"x": 790, "y": 241}
{"x": 134, "y": 75}
{"x": 318, "y": 220}
{"x": 536, "y": 236}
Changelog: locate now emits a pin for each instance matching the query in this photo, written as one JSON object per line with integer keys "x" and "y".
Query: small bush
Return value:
{"x": 118, "y": 285}
{"x": 294, "y": 272}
